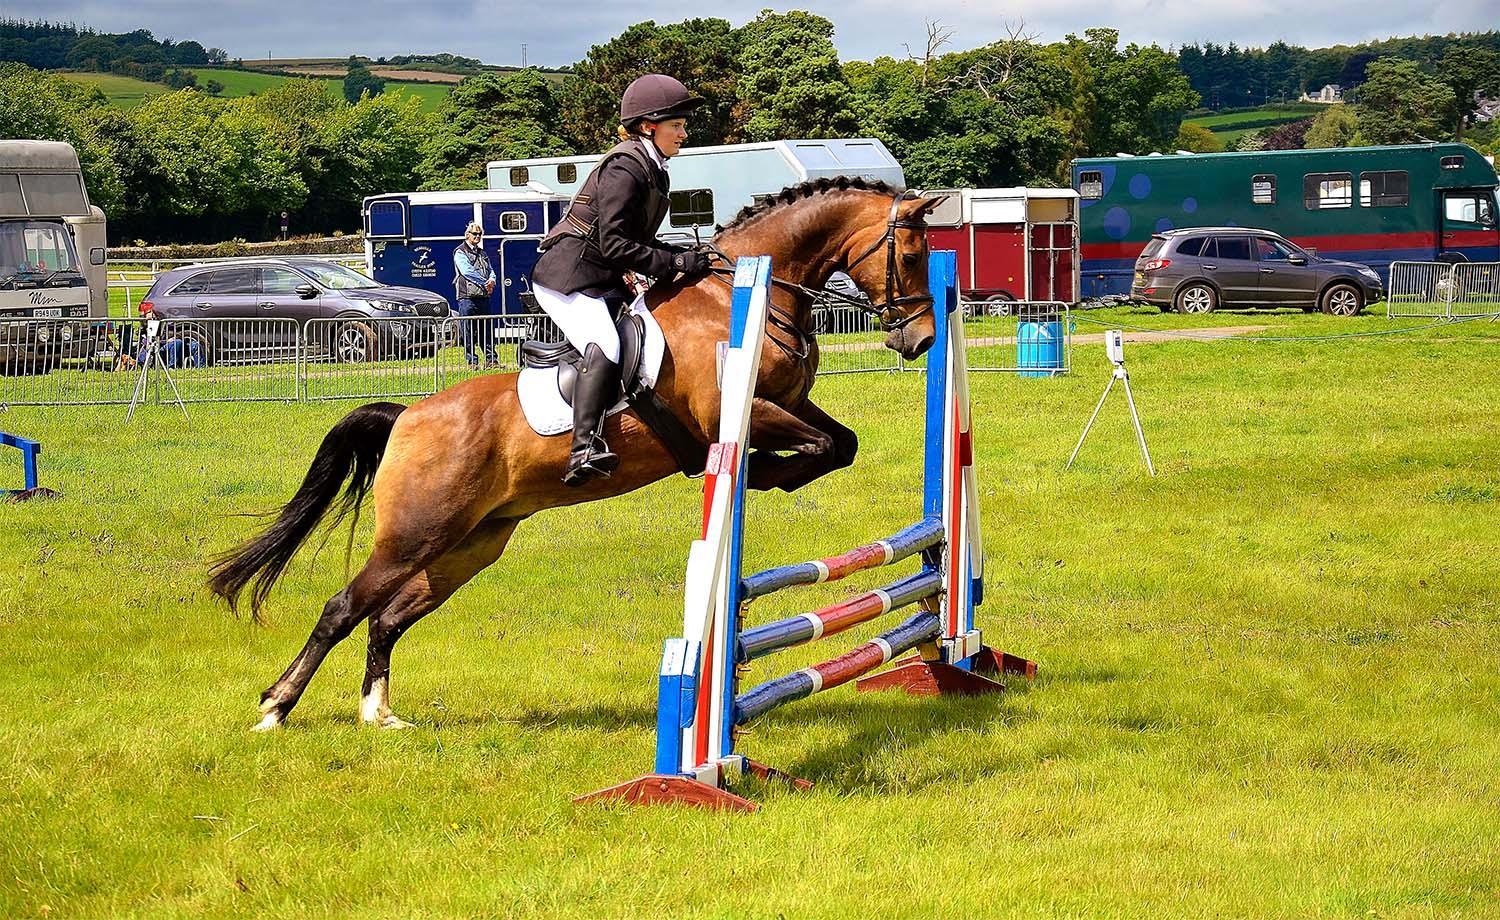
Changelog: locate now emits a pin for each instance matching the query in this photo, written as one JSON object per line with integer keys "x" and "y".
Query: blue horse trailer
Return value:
{"x": 410, "y": 238}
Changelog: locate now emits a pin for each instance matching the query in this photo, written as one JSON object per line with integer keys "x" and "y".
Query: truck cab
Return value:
{"x": 51, "y": 256}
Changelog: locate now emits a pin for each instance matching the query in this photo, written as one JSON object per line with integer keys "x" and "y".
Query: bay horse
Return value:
{"x": 453, "y": 474}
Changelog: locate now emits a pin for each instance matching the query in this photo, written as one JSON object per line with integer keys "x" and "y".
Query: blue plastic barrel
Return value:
{"x": 1039, "y": 347}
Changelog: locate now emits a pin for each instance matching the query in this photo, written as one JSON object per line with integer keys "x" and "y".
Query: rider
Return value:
{"x": 610, "y": 230}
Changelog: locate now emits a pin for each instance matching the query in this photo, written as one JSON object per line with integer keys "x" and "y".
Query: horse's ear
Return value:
{"x": 925, "y": 206}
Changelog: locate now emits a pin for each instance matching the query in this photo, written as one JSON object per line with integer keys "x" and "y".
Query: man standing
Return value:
{"x": 474, "y": 282}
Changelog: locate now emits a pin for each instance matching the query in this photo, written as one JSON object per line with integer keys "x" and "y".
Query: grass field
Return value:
{"x": 1231, "y": 126}
{"x": 1267, "y": 677}
{"x": 128, "y": 92}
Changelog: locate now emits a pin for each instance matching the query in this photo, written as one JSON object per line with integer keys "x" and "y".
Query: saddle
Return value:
{"x": 690, "y": 454}
{"x": 563, "y": 356}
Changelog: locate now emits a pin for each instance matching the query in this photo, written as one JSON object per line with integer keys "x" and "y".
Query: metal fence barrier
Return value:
{"x": 1475, "y": 289}
{"x": 1443, "y": 289}
{"x": 1032, "y": 338}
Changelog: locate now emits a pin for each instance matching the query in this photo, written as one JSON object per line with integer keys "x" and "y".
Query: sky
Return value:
{"x": 556, "y": 33}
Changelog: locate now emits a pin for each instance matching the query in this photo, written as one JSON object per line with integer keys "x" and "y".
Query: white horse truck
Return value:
{"x": 52, "y": 281}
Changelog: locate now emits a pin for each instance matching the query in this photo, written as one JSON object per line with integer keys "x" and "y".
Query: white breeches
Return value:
{"x": 584, "y": 320}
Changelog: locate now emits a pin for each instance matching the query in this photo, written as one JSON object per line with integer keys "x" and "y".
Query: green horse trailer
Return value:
{"x": 1374, "y": 205}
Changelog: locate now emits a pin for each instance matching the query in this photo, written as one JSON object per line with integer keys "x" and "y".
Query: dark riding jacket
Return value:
{"x": 610, "y": 227}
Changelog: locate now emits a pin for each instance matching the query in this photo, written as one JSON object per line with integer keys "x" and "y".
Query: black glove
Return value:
{"x": 691, "y": 263}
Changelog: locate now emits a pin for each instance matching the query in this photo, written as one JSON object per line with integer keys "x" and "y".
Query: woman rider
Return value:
{"x": 609, "y": 230}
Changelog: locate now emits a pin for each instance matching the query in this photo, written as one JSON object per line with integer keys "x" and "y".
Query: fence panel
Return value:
{"x": 1419, "y": 289}
{"x": 64, "y": 362}
{"x": 1033, "y": 338}
{"x": 1475, "y": 289}
{"x": 217, "y": 360}
{"x": 850, "y": 341}
{"x": 364, "y": 357}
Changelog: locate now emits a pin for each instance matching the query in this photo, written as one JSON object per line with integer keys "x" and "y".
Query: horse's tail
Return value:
{"x": 351, "y": 451}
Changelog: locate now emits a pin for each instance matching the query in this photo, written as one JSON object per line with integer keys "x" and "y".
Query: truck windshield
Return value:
{"x": 31, "y": 248}
{"x": 337, "y": 277}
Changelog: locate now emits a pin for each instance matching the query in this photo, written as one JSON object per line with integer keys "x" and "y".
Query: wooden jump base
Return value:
{"x": 699, "y": 712}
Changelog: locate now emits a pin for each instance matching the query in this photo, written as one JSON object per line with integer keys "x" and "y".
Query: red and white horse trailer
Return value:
{"x": 1012, "y": 243}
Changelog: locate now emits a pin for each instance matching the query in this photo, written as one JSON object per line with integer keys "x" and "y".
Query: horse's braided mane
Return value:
{"x": 808, "y": 189}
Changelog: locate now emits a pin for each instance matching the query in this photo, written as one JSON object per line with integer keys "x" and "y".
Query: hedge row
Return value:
{"x": 321, "y": 245}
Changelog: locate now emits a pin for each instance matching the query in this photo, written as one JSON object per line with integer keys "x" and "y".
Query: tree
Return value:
{"x": 1399, "y": 104}
{"x": 359, "y": 81}
{"x": 491, "y": 117}
{"x": 1335, "y": 126}
{"x": 213, "y": 88}
{"x": 1138, "y": 95}
{"x": 1469, "y": 70}
{"x": 44, "y": 107}
{"x": 1197, "y": 139}
{"x": 702, "y": 53}
{"x": 790, "y": 82}
{"x": 1290, "y": 136}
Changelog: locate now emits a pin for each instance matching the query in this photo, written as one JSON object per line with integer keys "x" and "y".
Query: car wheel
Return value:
{"x": 354, "y": 343}
{"x": 1197, "y": 298}
{"x": 1343, "y": 300}
{"x": 196, "y": 338}
{"x": 999, "y": 305}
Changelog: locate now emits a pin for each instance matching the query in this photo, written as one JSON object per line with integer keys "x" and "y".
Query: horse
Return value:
{"x": 454, "y": 474}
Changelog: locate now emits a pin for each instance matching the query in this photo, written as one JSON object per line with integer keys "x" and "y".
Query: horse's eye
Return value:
{"x": 910, "y": 259}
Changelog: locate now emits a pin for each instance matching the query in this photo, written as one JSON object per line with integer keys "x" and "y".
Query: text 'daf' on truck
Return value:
{"x": 52, "y": 282}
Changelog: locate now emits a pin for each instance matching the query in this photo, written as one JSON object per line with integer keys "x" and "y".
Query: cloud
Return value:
{"x": 494, "y": 30}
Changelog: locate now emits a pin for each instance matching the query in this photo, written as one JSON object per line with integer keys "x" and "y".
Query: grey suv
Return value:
{"x": 1209, "y": 268}
{"x": 298, "y": 289}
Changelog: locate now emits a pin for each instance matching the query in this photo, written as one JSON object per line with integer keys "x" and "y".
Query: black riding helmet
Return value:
{"x": 656, "y": 97}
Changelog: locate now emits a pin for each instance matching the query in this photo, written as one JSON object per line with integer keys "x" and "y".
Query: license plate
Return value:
{"x": 47, "y": 311}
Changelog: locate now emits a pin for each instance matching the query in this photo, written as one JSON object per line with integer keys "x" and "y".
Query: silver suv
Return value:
{"x": 301, "y": 290}
{"x": 1211, "y": 268}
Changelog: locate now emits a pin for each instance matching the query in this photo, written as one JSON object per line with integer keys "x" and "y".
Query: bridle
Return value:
{"x": 886, "y": 312}
{"x": 888, "y": 239}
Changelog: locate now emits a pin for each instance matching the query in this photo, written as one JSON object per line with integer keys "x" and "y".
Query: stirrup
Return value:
{"x": 597, "y": 461}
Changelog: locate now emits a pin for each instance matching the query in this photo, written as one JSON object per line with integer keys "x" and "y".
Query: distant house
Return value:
{"x": 1328, "y": 95}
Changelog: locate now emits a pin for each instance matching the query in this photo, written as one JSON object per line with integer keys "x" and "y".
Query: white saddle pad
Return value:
{"x": 542, "y": 401}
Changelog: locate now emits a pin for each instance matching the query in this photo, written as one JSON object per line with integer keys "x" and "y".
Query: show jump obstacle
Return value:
{"x": 29, "y": 451}
{"x": 699, "y": 708}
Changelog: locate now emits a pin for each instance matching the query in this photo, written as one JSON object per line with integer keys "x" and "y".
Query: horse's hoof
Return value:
{"x": 270, "y": 722}
{"x": 394, "y": 723}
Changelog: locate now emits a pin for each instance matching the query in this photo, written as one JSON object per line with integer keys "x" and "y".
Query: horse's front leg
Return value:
{"x": 818, "y": 443}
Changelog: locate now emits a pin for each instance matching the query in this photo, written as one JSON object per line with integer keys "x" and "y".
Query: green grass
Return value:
{"x": 128, "y": 92}
{"x": 1231, "y": 126}
{"x": 122, "y": 92}
{"x": 1267, "y": 676}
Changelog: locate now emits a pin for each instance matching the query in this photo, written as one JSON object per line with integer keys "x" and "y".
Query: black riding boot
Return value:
{"x": 597, "y": 388}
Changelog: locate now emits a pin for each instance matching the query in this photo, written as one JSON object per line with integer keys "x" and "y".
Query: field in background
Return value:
{"x": 1266, "y": 688}
{"x": 127, "y": 92}
{"x": 1231, "y": 126}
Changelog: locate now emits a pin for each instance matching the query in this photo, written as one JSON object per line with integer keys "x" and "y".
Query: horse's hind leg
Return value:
{"x": 369, "y": 591}
{"x": 423, "y": 593}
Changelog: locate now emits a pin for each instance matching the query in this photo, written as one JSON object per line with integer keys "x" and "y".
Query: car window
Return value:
{"x": 1152, "y": 248}
{"x": 233, "y": 281}
{"x": 1233, "y": 247}
{"x": 1270, "y": 250}
{"x": 280, "y": 281}
{"x": 1192, "y": 246}
{"x": 197, "y": 284}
